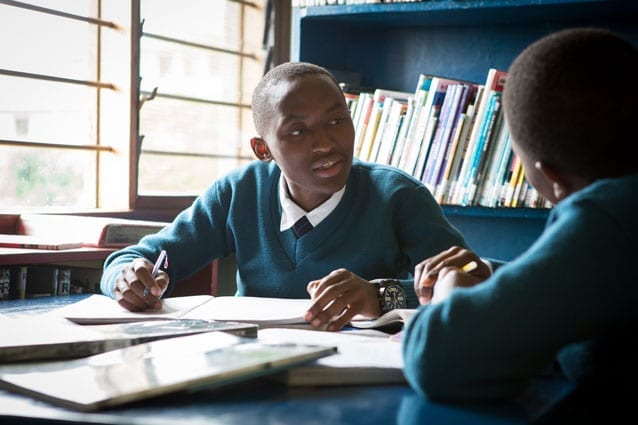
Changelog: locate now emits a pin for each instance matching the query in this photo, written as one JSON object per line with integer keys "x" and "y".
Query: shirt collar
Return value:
{"x": 291, "y": 212}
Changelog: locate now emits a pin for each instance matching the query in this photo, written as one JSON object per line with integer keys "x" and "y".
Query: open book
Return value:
{"x": 40, "y": 337}
{"x": 102, "y": 232}
{"x": 100, "y": 309}
{"x": 364, "y": 357}
{"x": 206, "y": 360}
{"x": 263, "y": 311}
{"x": 37, "y": 242}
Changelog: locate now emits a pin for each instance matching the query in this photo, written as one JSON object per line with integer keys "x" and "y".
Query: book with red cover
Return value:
{"x": 37, "y": 242}
{"x": 101, "y": 232}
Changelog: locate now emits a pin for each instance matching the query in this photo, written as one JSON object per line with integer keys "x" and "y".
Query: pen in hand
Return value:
{"x": 427, "y": 292}
{"x": 472, "y": 265}
{"x": 162, "y": 259}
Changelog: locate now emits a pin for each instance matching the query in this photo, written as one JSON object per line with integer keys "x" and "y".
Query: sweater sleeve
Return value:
{"x": 196, "y": 237}
{"x": 487, "y": 341}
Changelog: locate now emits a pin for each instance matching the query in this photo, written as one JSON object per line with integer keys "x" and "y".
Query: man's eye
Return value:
{"x": 297, "y": 132}
{"x": 337, "y": 121}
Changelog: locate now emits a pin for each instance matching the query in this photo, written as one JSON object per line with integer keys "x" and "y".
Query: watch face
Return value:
{"x": 394, "y": 297}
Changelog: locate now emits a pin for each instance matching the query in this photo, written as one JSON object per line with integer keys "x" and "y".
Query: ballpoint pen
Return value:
{"x": 162, "y": 259}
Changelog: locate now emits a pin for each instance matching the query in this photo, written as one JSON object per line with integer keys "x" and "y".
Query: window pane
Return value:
{"x": 46, "y": 44}
{"x": 46, "y": 178}
{"x": 42, "y": 111}
{"x": 189, "y": 142}
{"x": 210, "y": 22}
{"x": 175, "y": 126}
{"x": 178, "y": 126}
{"x": 189, "y": 71}
{"x": 173, "y": 175}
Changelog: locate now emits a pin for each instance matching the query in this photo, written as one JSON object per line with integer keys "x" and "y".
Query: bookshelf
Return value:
{"x": 84, "y": 263}
{"x": 387, "y": 45}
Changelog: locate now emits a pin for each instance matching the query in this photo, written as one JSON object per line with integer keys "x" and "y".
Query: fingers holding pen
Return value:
{"x": 456, "y": 257}
{"x": 136, "y": 289}
{"x": 428, "y": 272}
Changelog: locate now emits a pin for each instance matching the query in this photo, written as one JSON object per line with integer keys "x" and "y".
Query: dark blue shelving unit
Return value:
{"x": 499, "y": 233}
{"x": 387, "y": 45}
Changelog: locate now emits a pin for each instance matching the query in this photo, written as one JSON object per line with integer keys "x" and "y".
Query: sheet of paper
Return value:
{"x": 102, "y": 309}
{"x": 260, "y": 310}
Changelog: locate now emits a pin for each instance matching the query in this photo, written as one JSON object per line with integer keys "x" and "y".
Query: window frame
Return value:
{"x": 117, "y": 138}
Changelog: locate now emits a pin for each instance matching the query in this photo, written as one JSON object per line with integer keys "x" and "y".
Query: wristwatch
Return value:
{"x": 391, "y": 294}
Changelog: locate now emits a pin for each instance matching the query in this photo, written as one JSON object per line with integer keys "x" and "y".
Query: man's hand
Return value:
{"x": 137, "y": 290}
{"x": 427, "y": 272}
{"x": 448, "y": 279}
{"x": 338, "y": 297}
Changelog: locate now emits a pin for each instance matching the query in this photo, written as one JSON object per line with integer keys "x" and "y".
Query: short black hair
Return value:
{"x": 262, "y": 108}
{"x": 570, "y": 101}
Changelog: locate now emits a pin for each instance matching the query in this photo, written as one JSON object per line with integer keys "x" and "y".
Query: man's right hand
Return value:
{"x": 137, "y": 290}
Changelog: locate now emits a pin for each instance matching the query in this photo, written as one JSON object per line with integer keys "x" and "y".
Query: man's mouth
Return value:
{"x": 326, "y": 164}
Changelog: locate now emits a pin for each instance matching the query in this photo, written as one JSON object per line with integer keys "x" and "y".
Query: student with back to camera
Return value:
{"x": 366, "y": 221}
{"x": 571, "y": 103}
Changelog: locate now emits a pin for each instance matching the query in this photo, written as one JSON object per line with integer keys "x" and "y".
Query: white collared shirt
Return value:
{"x": 291, "y": 212}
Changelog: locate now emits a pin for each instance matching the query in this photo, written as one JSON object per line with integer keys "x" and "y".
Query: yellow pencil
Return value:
{"x": 469, "y": 266}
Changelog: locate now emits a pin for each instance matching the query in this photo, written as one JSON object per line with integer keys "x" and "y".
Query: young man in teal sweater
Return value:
{"x": 366, "y": 221}
{"x": 571, "y": 103}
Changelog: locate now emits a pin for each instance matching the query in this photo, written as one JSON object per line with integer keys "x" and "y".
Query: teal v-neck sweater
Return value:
{"x": 571, "y": 295}
{"x": 386, "y": 223}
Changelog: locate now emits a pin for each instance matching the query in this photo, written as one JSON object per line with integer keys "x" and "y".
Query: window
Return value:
{"x": 126, "y": 104}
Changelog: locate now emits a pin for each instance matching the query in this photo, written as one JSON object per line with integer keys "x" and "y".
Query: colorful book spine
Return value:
{"x": 495, "y": 81}
{"x": 431, "y": 112}
{"x": 469, "y": 182}
{"x": 441, "y": 133}
{"x": 456, "y": 132}
{"x": 388, "y": 141}
{"x": 485, "y": 145}
{"x": 462, "y": 148}
{"x": 411, "y": 145}
{"x": 370, "y": 131}
{"x": 403, "y": 132}
{"x": 362, "y": 119}
{"x": 502, "y": 153}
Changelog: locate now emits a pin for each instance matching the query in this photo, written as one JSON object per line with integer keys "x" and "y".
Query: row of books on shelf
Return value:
{"x": 19, "y": 282}
{"x": 451, "y": 135}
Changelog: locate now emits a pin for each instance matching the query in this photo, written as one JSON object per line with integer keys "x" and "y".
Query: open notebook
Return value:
{"x": 100, "y": 309}
{"x": 205, "y": 360}
{"x": 265, "y": 312}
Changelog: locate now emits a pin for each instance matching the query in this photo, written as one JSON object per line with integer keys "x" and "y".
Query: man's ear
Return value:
{"x": 260, "y": 149}
{"x": 560, "y": 182}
